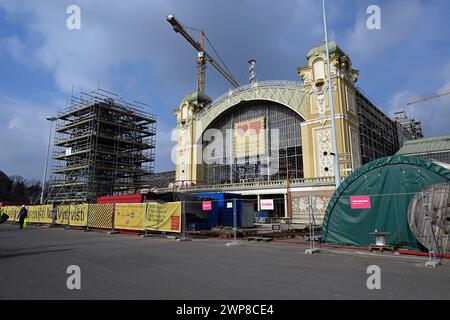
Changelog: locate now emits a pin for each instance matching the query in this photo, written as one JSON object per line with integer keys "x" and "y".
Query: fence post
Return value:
{"x": 113, "y": 221}
{"x": 430, "y": 236}
{"x": 68, "y": 220}
{"x": 234, "y": 242}
{"x": 88, "y": 216}
{"x": 183, "y": 223}
{"x": 145, "y": 221}
{"x": 312, "y": 249}
{"x": 234, "y": 220}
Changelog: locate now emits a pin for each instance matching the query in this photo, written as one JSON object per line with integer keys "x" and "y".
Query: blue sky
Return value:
{"x": 129, "y": 48}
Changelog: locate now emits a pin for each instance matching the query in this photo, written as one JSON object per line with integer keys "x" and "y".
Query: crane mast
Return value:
{"x": 202, "y": 56}
{"x": 201, "y": 65}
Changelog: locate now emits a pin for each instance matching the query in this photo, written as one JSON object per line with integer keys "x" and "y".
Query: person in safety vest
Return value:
{"x": 23, "y": 213}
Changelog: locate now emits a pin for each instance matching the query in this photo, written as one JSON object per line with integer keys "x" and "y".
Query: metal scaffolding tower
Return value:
{"x": 104, "y": 145}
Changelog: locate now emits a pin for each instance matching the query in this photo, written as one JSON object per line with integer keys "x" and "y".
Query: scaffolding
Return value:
{"x": 410, "y": 125}
{"x": 104, "y": 145}
{"x": 378, "y": 133}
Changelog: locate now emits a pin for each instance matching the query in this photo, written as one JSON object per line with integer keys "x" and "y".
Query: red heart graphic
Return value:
{"x": 242, "y": 129}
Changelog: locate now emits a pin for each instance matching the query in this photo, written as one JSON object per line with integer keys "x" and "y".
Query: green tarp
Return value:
{"x": 390, "y": 183}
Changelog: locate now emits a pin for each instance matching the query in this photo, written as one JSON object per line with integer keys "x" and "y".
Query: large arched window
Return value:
{"x": 244, "y": 153}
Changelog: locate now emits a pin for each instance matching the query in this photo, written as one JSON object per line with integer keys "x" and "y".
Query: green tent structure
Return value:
{"x": 378, "y": 196}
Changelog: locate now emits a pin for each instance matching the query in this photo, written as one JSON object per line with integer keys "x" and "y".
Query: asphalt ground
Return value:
{"x": 33, "y": 265}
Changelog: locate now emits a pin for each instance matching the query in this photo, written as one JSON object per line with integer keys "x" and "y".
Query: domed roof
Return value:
{"x": 332, "y": 46}
{"x": 196, "y": 97}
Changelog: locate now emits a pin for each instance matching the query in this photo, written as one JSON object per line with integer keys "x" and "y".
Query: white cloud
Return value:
{"x": 165, "y": 145}
{"x": 433, "y": 114}
{"x": 16, "y": 48}
{"x": 120, "y": 34}
{"x": 398, "y": 101}
{"x": 108, "y": 39}
{"x": 24, "y": 136}
{"x": 399, "y": 20}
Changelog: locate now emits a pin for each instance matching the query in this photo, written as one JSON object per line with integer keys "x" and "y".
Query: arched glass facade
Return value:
{"x": 280, "y": 147}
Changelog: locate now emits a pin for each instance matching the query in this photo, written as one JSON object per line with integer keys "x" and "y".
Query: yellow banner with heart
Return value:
{"x": 249, "y": 138}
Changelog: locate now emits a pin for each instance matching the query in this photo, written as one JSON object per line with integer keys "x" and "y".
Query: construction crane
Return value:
{"x": 425, "y": 98}
{"x": 202, "y": 56}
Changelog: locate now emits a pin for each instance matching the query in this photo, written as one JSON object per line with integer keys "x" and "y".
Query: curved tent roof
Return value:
{"x": 390, "y": 183}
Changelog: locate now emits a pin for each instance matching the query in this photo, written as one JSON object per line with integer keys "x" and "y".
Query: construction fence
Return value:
{"x": 407, "y": 220}
{"x": 162, "y": 217}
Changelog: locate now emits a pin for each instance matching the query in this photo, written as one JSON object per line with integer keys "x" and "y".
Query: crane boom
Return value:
{"x": 199, "y": 47}
{"x": 437, "y": 95}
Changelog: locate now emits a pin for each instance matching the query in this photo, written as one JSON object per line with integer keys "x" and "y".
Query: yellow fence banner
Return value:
{"x": 78, "y": 215}
{"x": 33, "y": 214}
{"x": 41, "y": 214}
{"x": 100, "y": 215}
{"x": 63, "y": 214}
{"x": 129, "y": 216}
{"x": 12, "y": 212}
{"x": 163, "y": 216}
{"x": 45, "y": 213}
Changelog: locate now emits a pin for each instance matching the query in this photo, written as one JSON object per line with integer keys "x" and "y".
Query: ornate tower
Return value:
{"x": 189, "y": 166}
{"x": 316, "y": 130}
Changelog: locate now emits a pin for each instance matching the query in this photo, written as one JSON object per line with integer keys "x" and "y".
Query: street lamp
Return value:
{"x": 337, "y": 177}
{"x": 51, "y": 119}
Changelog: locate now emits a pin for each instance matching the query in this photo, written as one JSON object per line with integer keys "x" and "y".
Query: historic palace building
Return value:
{"x": 274, "y": 138}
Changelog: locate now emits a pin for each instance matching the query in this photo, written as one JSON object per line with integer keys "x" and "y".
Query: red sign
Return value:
{"x": 360, "y": 202}
{"x": 175, "y": 223}
{"x": 207, "y": 205}
{"x": 266, "y": 204}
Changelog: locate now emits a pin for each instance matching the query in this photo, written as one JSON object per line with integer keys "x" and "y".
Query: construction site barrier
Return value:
{"x": 63, "y": 214}
{"x": 39, "y": 214}
{"x": 129, "y": 216}
{"x": 356, "y": 221}
{"x": 12, "y": 212}
{"x": 161, "y": 217}
{"x": 78, "y": 215}
{"x": 100, "y": 216}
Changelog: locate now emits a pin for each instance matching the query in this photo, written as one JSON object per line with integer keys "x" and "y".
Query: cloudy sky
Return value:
{"x": 129, "y": 48}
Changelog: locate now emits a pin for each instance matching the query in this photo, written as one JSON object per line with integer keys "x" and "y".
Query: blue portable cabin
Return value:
{"x": 225, "y": 214}
{"x": 204, "y": 223}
